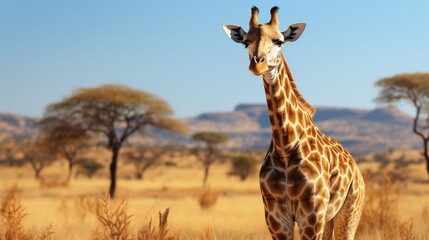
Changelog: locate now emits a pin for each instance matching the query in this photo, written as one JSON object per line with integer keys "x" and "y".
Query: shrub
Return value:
{"x": 115, "y": 223}
{"x": 243, "y": 166}
{"x": 88, "y": 167}
{"x": 208, "y": 198}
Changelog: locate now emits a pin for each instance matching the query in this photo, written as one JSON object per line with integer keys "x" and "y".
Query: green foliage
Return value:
{"x": 211, "y": 137}
{"x": 411, "y": 87}
{"x": 243, "y": 166}
{"x": 89, "y": 167}
{"x": 12, "y": 162}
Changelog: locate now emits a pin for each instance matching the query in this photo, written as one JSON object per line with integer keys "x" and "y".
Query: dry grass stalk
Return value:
{"x": 206, "y": 235}
{"x": 208, "y": 198}
{"x": 13, "y": 214}
{"x": 380, "y": 215}
{"x": 406, "y": 230}
{"x": 46, "y": 233}
{"x": 150, "y": 232}
{"x": 84, "y": 205}
{"x": 115, "y": 224}
{"x": 11, "y": 194}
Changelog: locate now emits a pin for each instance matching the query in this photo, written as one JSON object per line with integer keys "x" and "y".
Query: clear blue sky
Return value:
{"x": 178, "y": 50}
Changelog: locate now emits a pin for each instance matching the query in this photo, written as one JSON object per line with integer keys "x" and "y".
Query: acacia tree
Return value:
{"x": 211, "y": 153}
{"x": 66, "y": 139}
{"x": 7, "y": 153}
{"x": 33, "y": 151}
{"x": 413, "y": 89}
{"x": 144, "y": 157}
{"x": 116, "y": 112}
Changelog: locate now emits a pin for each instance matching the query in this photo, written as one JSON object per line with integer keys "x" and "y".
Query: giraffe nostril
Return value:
{"x": 258, "y": 60}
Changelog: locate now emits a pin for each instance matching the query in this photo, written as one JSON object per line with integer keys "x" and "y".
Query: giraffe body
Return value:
{"x": 307, "y": 177}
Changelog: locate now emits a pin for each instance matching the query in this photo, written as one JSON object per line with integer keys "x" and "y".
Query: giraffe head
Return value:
{"x": 263, "y": 41}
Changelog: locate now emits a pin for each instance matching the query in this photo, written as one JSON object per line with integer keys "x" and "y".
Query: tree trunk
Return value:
{"x": 37, "y": 173}
{"x": 113, "y": 165}
{"x": 427, "y": 165}
{"x": 139, "y": 175}
{"x": 70, "y": 170}
{"x": 424, "y": 138}
{"x": 426, "y": 153}
{"x": 206, "y": 174}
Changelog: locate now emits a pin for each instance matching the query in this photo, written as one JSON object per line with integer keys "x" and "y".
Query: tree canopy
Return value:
{"x": 210, "y": 154}
{"x": 115, "y": 111}
{"x": 412, "y": 88}
{"x": 211, "y": 137}
{"x": 101, "y": 108}
{"x": 409, "y": 87}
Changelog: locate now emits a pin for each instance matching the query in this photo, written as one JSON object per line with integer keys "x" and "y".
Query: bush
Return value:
{"x": 208, "y": 198}
{"x": 243, "y": 166}
{"x": 88, "y": 167}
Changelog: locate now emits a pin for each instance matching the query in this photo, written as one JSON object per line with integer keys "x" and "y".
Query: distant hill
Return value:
{"x": 248, "y": 126}
{"x": 359, "y": 130}
{"x": 14, "y": 124}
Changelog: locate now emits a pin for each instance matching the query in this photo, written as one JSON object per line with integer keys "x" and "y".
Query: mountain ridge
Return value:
{"x": 359, "y": 130}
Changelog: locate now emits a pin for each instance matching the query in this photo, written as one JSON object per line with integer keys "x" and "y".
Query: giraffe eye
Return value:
{"x": 278, "y": 42}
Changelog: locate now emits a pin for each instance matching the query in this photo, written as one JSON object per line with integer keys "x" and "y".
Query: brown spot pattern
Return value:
{"x": 316, "y": 169}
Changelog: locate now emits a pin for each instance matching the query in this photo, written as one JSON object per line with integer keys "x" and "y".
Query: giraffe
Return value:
{"x": 307, "y": 177}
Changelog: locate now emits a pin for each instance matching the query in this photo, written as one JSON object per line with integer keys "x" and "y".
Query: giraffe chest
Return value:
{"x": 300, "y": 180}
{"x": 297, "y": 187}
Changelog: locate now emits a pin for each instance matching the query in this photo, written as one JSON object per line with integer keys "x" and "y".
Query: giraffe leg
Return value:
{"x": 280, "y": 225}
{"x": 329, "y": 230}
{"x": 311, "y": 232}
{"x": 347, "y": 220}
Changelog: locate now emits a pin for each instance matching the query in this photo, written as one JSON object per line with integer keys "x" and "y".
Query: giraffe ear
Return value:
{"x": 236, "y": 33}
{"x": 293, "y": 32}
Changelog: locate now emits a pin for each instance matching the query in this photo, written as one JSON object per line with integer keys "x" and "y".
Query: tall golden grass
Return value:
{"x": 380, "y": 219}
{"x": 13, "y": 214}
{"x": 394, "y": 207}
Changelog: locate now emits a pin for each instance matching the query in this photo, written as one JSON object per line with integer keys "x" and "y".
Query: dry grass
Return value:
{"x": 393, "y": 210}
{"x": 380, "y": 220}
{"x": 13, "y": 216}
{"x": 115, "y": 221}
{"x": 52, "y": 181}
{"x": 150, "y": 232}
{"x": 381, "y": 213}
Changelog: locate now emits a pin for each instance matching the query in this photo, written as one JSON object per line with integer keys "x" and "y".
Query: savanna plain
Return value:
{"x": 170, "y": 202}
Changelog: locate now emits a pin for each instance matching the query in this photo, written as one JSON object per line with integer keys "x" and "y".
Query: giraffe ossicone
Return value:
{"x": 307, "y": 177}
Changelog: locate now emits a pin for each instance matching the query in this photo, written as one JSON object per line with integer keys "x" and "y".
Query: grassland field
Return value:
{"x": 237, "y": 214}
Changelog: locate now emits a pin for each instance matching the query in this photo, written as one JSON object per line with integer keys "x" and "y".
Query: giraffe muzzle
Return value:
{"x": 258, "y": 67}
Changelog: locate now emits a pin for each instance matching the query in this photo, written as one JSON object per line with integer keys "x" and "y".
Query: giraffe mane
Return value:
{"x": 301, "y": 100}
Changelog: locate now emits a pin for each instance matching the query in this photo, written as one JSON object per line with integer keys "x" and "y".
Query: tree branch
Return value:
{"x": 416, "y": 120}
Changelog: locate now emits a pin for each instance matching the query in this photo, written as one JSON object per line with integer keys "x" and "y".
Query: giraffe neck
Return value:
{"x": 288, "y": 111}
